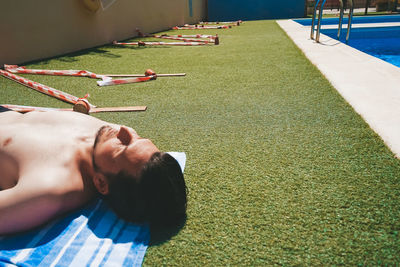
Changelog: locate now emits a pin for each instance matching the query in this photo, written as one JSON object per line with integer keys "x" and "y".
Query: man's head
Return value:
{"x": 139, "y": 182}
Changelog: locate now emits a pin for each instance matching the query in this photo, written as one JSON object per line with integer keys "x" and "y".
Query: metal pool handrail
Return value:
{"x": 340, "y": 19}
{"x": 321, "y": 8}
{"x": 313, "y": 19}
{"x": 350, "y": 19}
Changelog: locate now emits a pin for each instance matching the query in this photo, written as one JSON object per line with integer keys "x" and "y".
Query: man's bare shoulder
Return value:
{"x": 36, "y": 200}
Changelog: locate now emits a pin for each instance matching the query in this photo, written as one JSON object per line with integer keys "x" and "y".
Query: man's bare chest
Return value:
{"x": 9, "y": 171}
{"x": 36, "y": 150}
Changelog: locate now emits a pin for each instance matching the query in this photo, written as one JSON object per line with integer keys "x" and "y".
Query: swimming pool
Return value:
{"x": 380, "y": 42}
{"x": 356, "y": 20}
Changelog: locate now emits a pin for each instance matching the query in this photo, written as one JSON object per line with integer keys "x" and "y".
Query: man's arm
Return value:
{"x": 23, "y": 208}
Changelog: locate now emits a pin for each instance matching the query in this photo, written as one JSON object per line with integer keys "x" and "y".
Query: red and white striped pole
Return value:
{"x": 148, "y": 72}
{"x": 127, "y": 80}
{"x": 141, "y": 34}
{"x": 77, "y": 73}
{"x": 201, "y": 27}
{"x": 44, "y": 88}
{"x": 233, "y": 23}
{"x": 161, "y": 43}
{"x": 194, "y": 36}
{"x": 24, "y": 109}
{"x": 185, "y": 38}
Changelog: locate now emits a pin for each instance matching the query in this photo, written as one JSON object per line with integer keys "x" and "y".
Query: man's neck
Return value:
{"x": 85, "y": 165}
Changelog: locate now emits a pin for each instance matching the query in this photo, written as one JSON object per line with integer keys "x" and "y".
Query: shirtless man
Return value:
{"x": 54, "y": 162}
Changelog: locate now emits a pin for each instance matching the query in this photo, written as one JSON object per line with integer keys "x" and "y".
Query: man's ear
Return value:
{"x": 101, "y": 184}
{"x": 124, "y": 135}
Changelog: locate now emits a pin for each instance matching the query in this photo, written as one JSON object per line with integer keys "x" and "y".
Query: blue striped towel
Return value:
{"x": 91, "y": 236}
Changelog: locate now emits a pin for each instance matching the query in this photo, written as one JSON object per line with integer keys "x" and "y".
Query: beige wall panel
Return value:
{"x": 31, "y": 30}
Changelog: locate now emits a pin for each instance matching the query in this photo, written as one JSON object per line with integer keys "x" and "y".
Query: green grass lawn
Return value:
{"x": 280, "y": 169}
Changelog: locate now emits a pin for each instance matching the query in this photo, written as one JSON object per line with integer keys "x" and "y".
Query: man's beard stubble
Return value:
{"x": 104, "y": 132}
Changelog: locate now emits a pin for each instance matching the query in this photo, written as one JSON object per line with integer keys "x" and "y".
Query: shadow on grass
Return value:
{"x": 73, "y": 57}
{"x": 160, "y": 235}
{"x": 138, "y": 39}
{"x": 136, "y": 47}
{"x": 95, "y": 52}
{"x": 101, "y": 51}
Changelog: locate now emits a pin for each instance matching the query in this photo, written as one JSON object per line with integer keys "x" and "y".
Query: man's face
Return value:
{"x": 122, "y": 149}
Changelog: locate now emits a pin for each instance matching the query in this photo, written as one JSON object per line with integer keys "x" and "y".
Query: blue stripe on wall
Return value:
{"x": 226, "y": 10}
{"x": 190, "y": 8}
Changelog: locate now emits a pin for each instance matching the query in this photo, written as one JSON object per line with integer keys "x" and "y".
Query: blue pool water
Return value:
{"x": 366, "y": 19}
{"x": 380, "y": 42}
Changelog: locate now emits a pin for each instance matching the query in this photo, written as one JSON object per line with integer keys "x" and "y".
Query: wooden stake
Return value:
{"x": 118, "y": 109}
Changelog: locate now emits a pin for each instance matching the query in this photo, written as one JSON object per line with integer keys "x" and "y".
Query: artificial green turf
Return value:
{"x": 280, "y": 169}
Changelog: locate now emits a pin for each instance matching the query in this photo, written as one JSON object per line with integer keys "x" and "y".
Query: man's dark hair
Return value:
{"x": 159, "y": 197}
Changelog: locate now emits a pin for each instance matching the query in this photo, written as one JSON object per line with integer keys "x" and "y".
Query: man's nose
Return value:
{"x": 125, "y": 135}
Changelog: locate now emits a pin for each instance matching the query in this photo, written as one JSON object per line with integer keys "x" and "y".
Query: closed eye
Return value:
{"x": 119, "y": 150}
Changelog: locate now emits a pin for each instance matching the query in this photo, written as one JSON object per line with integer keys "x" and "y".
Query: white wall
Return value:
{"x": 38, "y": 29}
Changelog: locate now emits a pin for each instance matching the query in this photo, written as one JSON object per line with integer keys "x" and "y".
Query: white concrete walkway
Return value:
{"x": 356, "y": 10}
{"x": 370, "y": 85}
{"x": 361, "y": 25}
